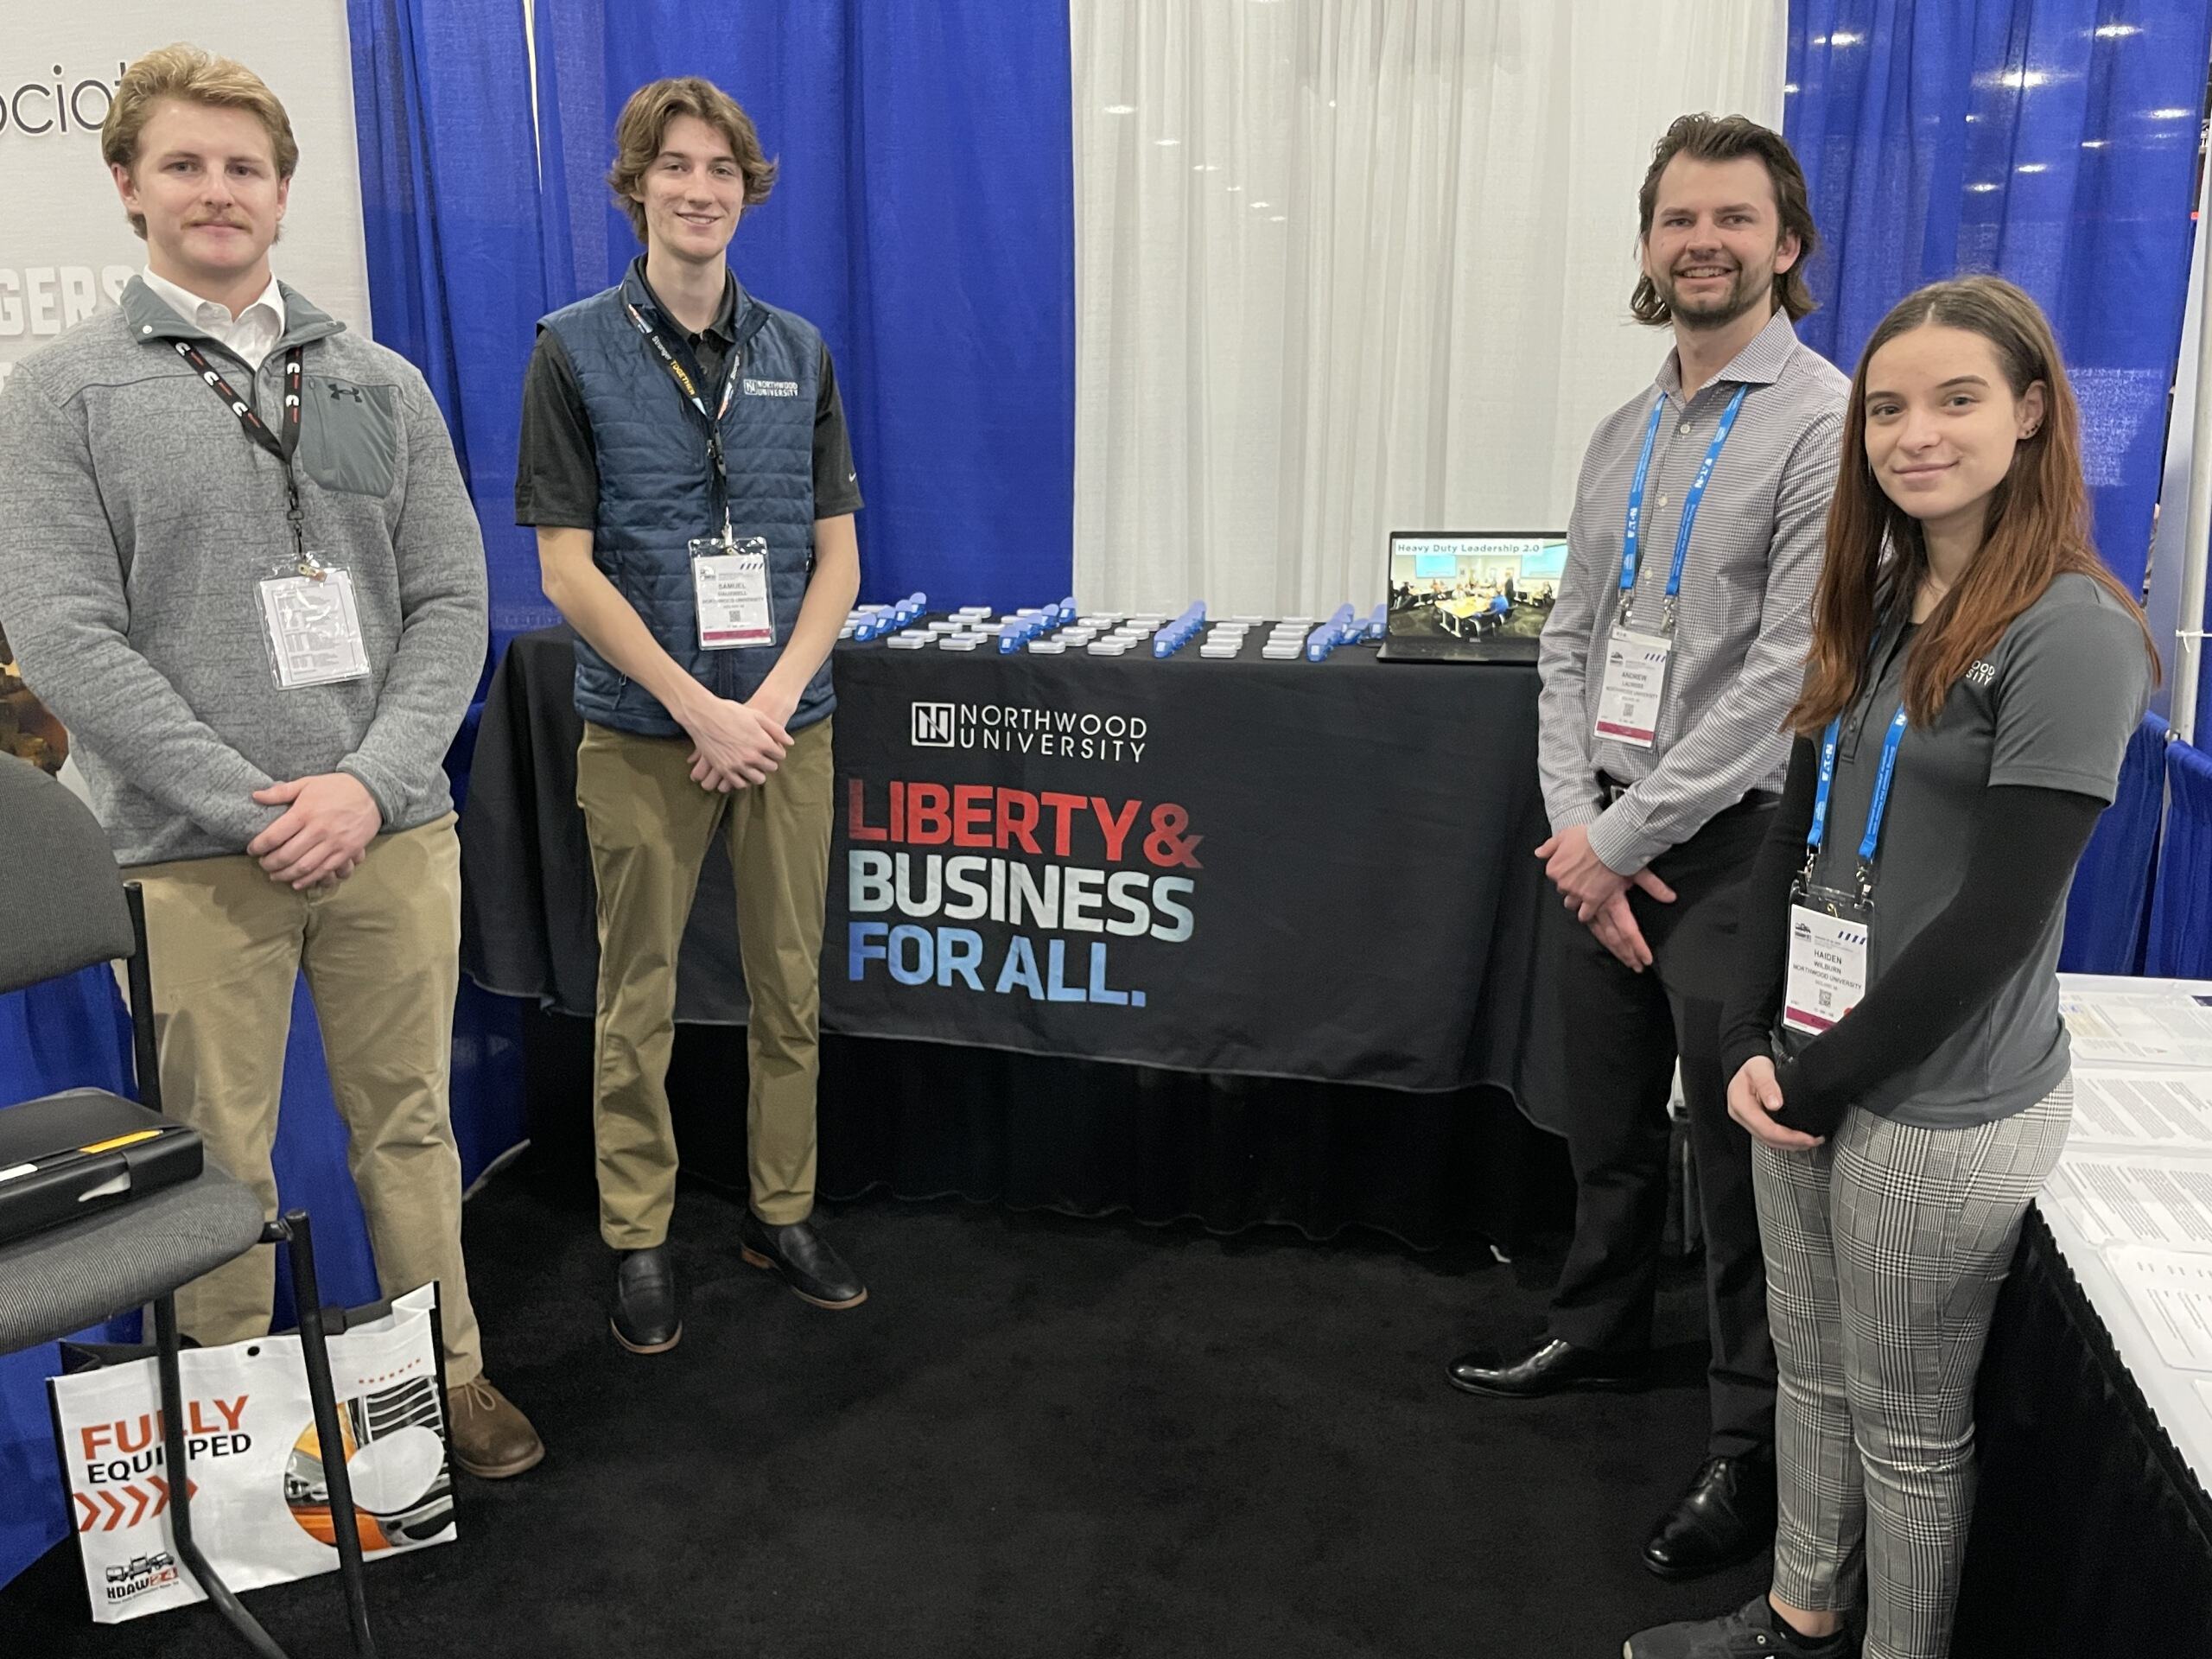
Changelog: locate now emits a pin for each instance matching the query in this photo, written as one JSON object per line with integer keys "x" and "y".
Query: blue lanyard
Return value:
{"x": 1876, "y": 809}
{"x": 1631, "y": 538}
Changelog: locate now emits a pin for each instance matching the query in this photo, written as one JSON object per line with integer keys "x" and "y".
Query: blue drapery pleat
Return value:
{"x": 924, "y": 220}
{"x": 2053, "y": 141}
{"x": 449, "y": 214}
{"x": 2108, "y": 909}
{"x": 2181, "y": 905}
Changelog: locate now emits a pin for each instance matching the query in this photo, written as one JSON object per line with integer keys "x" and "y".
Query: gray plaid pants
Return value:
{"x": 1884, "y": 1250}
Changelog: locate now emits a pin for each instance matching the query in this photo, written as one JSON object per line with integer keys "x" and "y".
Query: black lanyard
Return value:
{"x": 257, "y": 430}
{"x": 689, "y": 388}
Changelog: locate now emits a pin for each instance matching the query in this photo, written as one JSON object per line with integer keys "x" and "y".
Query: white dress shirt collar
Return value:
{"x": 253, "y": 334}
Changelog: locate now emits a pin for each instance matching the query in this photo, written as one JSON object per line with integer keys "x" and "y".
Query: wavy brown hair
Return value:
{"x": 2038, "y": 530}
{"x": 643, "y": 124}
{"x": 1726, "y": 138}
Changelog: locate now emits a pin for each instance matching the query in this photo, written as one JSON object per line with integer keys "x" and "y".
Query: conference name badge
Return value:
{"x": 1636, "y": 680}
{"x": 311, "y": 625}
{"x": 1827, "y": 968}
{"x": 729, "y": 582}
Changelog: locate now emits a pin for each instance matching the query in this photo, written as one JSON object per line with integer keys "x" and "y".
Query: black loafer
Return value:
{"x": 643, "y": 1312}
{"x": 802, "y": 1258}
{"x": 1555, "y": 1367}
{"x": 1725, "y": 1518}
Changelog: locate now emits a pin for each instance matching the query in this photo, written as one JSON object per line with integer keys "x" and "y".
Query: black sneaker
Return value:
{"x": 1753, "y": 1631}
{"x": 801, "y": 1258}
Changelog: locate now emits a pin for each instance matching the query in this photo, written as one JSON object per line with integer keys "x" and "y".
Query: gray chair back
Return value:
{"x": 61, "y": 903}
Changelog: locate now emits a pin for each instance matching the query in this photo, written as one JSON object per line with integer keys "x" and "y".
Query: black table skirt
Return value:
{"x": 1093, "y": 1138}
{"x": 2091, "y": 1537}
{"x": 1350, "y": 842}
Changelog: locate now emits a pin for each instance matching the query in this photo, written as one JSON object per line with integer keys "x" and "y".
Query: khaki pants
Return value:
{"x": 381, "y": 952}
{"x": 650, "y": 827}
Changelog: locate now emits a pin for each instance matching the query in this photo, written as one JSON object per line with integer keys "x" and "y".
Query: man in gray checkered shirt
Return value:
{"x": 1676, "y": 646}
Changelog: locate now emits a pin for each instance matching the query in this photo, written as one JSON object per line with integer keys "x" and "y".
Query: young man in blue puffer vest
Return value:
{"x": 685, "y": 462}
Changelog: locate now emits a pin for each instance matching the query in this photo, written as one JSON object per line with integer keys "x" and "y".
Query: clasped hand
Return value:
{"x": 1598, "y": 895}
{"x": 1754, "y": 1096}
{"x": 328, "y": 821}
{"x": 737, "y": 744}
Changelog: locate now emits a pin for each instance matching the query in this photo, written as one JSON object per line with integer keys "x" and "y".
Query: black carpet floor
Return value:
{"x": 1039, "y": 1437}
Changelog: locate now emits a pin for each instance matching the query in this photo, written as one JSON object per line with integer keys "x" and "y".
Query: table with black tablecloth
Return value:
{"x": 1257, "y": 939}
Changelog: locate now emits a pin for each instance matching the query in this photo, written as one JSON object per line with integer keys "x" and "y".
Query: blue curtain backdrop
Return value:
{"x": 2109, "y": 910}
{"x": 2181, "y": 906}
{"x": 449, "y": 210}
{"x": 2053, "y": 141}
{"x": 923, "y": 219}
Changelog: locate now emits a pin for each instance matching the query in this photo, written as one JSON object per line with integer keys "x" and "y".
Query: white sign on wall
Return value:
{"x": 69, "y": 250}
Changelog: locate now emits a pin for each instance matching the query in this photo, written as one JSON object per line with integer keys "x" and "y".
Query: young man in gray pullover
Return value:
{"x": 242, "y": 568}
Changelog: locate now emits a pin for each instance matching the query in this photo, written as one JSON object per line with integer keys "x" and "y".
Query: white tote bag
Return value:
{"x": 260, "y": 1510}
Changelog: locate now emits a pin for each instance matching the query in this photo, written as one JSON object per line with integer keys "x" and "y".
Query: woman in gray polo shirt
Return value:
{"x": 1895, "y": 1041}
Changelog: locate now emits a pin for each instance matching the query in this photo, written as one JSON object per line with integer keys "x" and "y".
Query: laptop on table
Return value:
{"x": 1469, "y": 596}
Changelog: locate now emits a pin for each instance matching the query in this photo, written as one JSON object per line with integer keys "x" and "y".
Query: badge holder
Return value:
{"x": 1635, "y": 687}
{"x": 1829, "y": 931}
{"x": 1634, "y": 691}
{"x": 729, "y": 586}
{"x": 310, "y": 625}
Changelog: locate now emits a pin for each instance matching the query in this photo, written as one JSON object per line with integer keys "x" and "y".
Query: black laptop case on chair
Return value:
{"x": 71, "y": 1154}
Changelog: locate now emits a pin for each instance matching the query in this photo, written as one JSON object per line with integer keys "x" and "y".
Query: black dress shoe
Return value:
{"x": 643, "y": 1312}
{"x": 1725, "y": 1517}
{"x": 802, "y": 1258}
{"x": 1555, "y": 1367}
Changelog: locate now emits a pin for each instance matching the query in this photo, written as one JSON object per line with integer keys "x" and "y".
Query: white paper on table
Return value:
{"x": 2163, "y": 1027}
{"x": 2204, "y": 1396}
{"x": 2171, "y": 1293}
{"x": 2116, "y": 1199}
{"x": 2166, "y": 1109}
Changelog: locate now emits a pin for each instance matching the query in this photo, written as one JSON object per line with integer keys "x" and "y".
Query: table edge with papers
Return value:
{"x": 2179, "y": 1398}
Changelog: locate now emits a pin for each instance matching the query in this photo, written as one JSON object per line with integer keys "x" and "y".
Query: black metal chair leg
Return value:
{"x": 307, "y": 1304}
{"x": 180, "y": 1479}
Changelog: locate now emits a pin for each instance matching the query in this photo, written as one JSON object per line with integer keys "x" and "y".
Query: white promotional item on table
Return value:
{"x": 260, "y": 1509}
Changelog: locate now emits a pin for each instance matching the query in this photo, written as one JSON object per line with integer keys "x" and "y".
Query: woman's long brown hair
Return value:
{"x": 2039, "y": 523}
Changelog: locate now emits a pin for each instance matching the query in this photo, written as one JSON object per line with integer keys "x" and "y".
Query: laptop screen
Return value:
{"x": 1470, "y": 585}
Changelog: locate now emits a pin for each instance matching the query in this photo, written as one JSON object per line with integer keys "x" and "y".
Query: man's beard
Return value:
{"x": 1745, "y": 292}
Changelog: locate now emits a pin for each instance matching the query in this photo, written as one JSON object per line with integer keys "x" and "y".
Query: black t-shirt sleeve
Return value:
{"x": 836, "y": 482}
{"x": 2020, "y": 858}
{"x": 1762, "y": 918}
{"x": 557, "y": 469}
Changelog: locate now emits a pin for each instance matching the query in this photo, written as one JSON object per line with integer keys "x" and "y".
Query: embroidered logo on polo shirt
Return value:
{"x": 1981, "y": 674}
{"x": 772, "y": 388}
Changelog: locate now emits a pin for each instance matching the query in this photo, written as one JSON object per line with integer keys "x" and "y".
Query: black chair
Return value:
{"x": 67, "y": 907}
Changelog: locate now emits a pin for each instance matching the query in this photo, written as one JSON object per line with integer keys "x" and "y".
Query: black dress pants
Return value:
{"x": 1624, "y": 1032}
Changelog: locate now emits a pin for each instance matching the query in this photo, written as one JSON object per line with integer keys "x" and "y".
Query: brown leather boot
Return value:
{"x": 492, "y": 1438}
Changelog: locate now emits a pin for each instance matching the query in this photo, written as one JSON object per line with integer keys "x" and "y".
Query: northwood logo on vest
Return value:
{"x": 1069, "y": 733}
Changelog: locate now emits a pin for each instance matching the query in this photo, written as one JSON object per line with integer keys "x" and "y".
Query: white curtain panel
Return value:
{"x": 1351, "y": 266}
